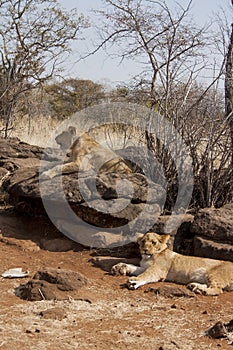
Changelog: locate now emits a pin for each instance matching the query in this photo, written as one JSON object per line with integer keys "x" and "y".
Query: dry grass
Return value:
{"x": 35, "y": 131}
{"x": 116, "y": 324}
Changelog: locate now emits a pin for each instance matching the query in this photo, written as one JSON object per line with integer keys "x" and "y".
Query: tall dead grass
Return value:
{"x": 35, "y": 131}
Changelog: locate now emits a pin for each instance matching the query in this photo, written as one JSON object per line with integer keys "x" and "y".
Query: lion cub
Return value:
{"x": 201, "y": 275}
{"x": 87, "y": 154}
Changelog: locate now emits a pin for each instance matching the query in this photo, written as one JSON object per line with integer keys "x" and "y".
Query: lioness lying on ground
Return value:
{"x": 87, "y": 154}
{"x": 201, "y": 275}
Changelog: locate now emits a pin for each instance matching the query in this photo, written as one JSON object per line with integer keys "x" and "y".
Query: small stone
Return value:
{"x": 217, "y": 331}
{"x": 171, "y": 291}
{"x": 54, "y": 313}
{"x": 229, "y": 326}
{"x": 57, "y": 245}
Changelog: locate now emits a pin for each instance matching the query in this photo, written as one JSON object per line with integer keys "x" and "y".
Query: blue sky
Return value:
{"x": 101, "y": 68}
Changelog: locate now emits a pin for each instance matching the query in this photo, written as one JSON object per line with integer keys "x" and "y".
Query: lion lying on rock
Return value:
{"x": 87, "y": 154}
{"x": 201, "y": 275}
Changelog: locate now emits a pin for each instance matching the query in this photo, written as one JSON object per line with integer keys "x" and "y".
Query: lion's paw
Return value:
{"x": 46, "y": 175}
{"x": 134, "y": 283}
{"x": 120, "y": 269}
{"x": 197, "y": 288}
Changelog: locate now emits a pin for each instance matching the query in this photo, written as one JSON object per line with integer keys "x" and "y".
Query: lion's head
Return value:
{"x": 151, "y": 243}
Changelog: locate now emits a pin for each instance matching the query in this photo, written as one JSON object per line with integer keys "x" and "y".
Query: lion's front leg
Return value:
{"x": 52, "y": 172}
{"x": 58, "y": 170}
{"x": 126, "y": 269}
{"x": 149, "y": 276}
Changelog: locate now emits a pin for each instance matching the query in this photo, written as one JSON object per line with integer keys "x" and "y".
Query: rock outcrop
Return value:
{"x": 213, "y": 233}
{"x": 111, "y": 207}
{"x": 126, "y": 203}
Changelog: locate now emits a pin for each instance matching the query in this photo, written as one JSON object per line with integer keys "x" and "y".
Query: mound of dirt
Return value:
{"x": 50, "y": 284}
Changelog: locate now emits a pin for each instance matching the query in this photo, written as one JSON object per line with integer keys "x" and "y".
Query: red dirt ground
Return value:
{"x": 104, "y": 315}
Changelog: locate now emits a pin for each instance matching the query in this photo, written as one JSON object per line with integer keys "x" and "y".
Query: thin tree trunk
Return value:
{"x": 8, "y": 117}
{"x": 229, "y": 89}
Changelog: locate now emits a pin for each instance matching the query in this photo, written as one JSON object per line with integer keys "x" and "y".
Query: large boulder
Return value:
{"x": 211, "y": 249}
{"x": 15, "y": 154}
{"x": 213, "y": 233}
{"x": 16, "y": 149}
{"x": 125, "y": 202}
{"x": 215, "y": 224}
{"x": 107, "y": 201}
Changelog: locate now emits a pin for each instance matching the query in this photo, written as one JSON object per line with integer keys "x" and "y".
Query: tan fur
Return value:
{"x": 87, "y": 154}
{"x": 201, "y": 275}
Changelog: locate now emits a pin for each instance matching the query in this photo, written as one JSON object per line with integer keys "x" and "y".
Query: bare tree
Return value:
{"x": 165, "y": 42}
{"x": 173, "y": 53}
{"x": 34, "y": 36}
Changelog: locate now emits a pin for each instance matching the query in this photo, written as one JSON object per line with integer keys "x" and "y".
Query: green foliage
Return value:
{"x": 72, "y": 95}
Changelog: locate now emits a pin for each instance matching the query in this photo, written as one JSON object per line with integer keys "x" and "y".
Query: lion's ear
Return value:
{"x": 138, "y": 236}
{"x": 165, "y": 238}
{"x": 72, "y": 130}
